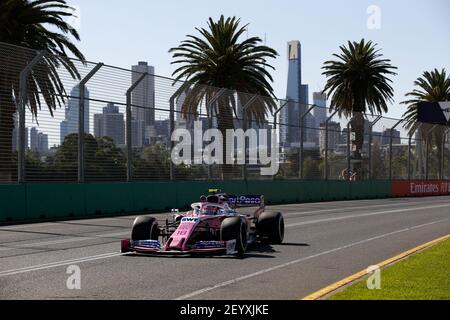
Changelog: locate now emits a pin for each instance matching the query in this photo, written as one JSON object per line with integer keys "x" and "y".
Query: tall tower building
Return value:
{"x": 42, "y": 139}
{"x": 298, "y": 94}
{"x": 34, "y": 139}
{"x": 320, "y": 112}
{"x": 143, "y": 100}
{"x": 111, "y": 124}
{"x": 70, "y": 124}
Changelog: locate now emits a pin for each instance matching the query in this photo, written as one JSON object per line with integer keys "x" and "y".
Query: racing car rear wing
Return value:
{"x": 240, "y": 201}
{"x": 246, "y": 201}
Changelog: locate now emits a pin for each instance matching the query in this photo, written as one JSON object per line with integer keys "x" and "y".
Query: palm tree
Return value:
{"x": 31, "y": 24}
{"x": 432, "y": 86}
{"x": 218, "y": 59}
{"x": 358, "y": 83}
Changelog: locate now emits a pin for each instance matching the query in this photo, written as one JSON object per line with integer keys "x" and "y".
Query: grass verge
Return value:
{"x": 422, "y": 276}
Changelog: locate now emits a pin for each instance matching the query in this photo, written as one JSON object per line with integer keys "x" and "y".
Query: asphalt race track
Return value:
{"x": 324, "y": 242}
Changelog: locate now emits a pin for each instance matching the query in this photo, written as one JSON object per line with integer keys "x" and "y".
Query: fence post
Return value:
{"x": 302, "y": 134}
{"x": 277, "y": 112}
{"x": 409, "y": 155}
{"x": 427, "y": 149}
{"x": 22, "y": 109}
{"x": 410, "y": 148}
{"x": 82, "y": 87}
{"x": 128, "y": 127}
{"x": 441, "y": 167}
{"x": 326, "y": 145}
{"x": 286, "y": 102}
{"x": 370, "y": 145}
{"x": 209, "y": 105}
{"x": 245, "y": 127}
{"x": 348, "y": 148}
{"x": 391, "y": 145}
{"x": 172, "y": 126}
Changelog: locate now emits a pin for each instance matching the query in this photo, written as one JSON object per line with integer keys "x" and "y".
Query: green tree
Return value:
{"x": 312, "y": 169}
{"x": 378, "y": 162}
{"x": 357, "y": 83}
{"x": 152, "y": 164}
{"x": 103, "y": 160}
{"x": 432, "y": 86}
{"x": 217, "y": 58}
{"x": 32, "y": 24}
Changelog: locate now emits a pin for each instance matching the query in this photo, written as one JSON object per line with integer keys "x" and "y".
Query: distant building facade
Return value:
{"x": 143, "y": 100}
{"x": 334, "y": 136}
{"x": 111, "y": 124}
{"x": 70, "y": 123}
{"x": 38, "y": 141}
{"x": 297, "y": 93}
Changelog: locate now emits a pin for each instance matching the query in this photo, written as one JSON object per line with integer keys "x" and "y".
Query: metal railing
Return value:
{"x": 114, "y": 124}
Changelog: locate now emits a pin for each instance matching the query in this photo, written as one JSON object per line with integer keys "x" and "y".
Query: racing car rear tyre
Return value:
{"x": 145, "y": 228}
{"x": 271, "y": 226}
{"x": 235, "y": 229}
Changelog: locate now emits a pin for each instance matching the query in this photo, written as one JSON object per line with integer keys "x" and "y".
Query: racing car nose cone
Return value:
{"x": 177, "y": 243}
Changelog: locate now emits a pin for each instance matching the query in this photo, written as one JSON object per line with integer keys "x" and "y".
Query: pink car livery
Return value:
{"x": 212, "y": 226}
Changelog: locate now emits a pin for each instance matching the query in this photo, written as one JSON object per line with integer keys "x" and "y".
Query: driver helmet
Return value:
{"x": 209, "y": 210}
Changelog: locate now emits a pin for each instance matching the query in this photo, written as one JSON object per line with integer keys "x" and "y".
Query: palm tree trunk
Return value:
{"x": 7, "y": 111}
{"x": 225, "y": 122}
{"x": 357, "y": 124}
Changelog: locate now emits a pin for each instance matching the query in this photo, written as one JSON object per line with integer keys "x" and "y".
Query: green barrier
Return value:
{"x": 152, "y": 196}
{"x": 314, "y": 191}
{"x": 59, "y": 201}
{"x": 277, "y": 191}
{"x": 46, "y": 201}
{"x": 381, "y": 189}
{"x": 108, "y": 198}
{"x": 13, "y": 204}
{"x": 338, "y": 190}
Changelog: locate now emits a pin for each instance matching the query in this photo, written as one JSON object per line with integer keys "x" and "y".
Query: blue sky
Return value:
{"x": 414, "y": 34}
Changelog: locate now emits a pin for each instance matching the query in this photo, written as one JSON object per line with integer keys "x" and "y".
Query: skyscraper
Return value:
{"x": 143, "y": 100}
{"x": 111, "y": 124}
{"x": 33, "y": 139}
{"x": 42, "y": 140}
{"x": 320, "y": 112}
{"x": 15, "y": 134}
{"x": 298, "y": 94}
{"x": 38, "y": 141}
{"x": 70, "y": 124}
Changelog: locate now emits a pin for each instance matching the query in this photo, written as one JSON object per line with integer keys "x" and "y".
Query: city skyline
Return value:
{"x": 165, "y": 68}
{"x": 321, "y": 26}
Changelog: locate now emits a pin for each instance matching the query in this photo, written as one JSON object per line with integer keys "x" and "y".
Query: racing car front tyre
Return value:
{"x": 271, "y": 226}
{"x": 235, "y": 229}
{"x": 145, "y": 228}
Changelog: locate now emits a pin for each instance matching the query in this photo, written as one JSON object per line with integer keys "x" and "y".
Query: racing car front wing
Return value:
{"x": 155, "y": 247}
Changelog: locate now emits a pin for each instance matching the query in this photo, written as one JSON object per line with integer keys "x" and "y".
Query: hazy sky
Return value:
{"x": 414, "y": 34}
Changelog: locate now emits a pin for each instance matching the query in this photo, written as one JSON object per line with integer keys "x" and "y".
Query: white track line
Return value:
{"x": 60, "y": 223}
{"x": 307, "y": 206}
{"x": 35, "y": 245}
{"x": 58, "y": 264}
{"x": 284, "y": 265}
{"x": 113, "y": 254}
{"x": 32, "y": 243}
{"x": 295, "y": 213}
{"x": 365, "y": 215}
